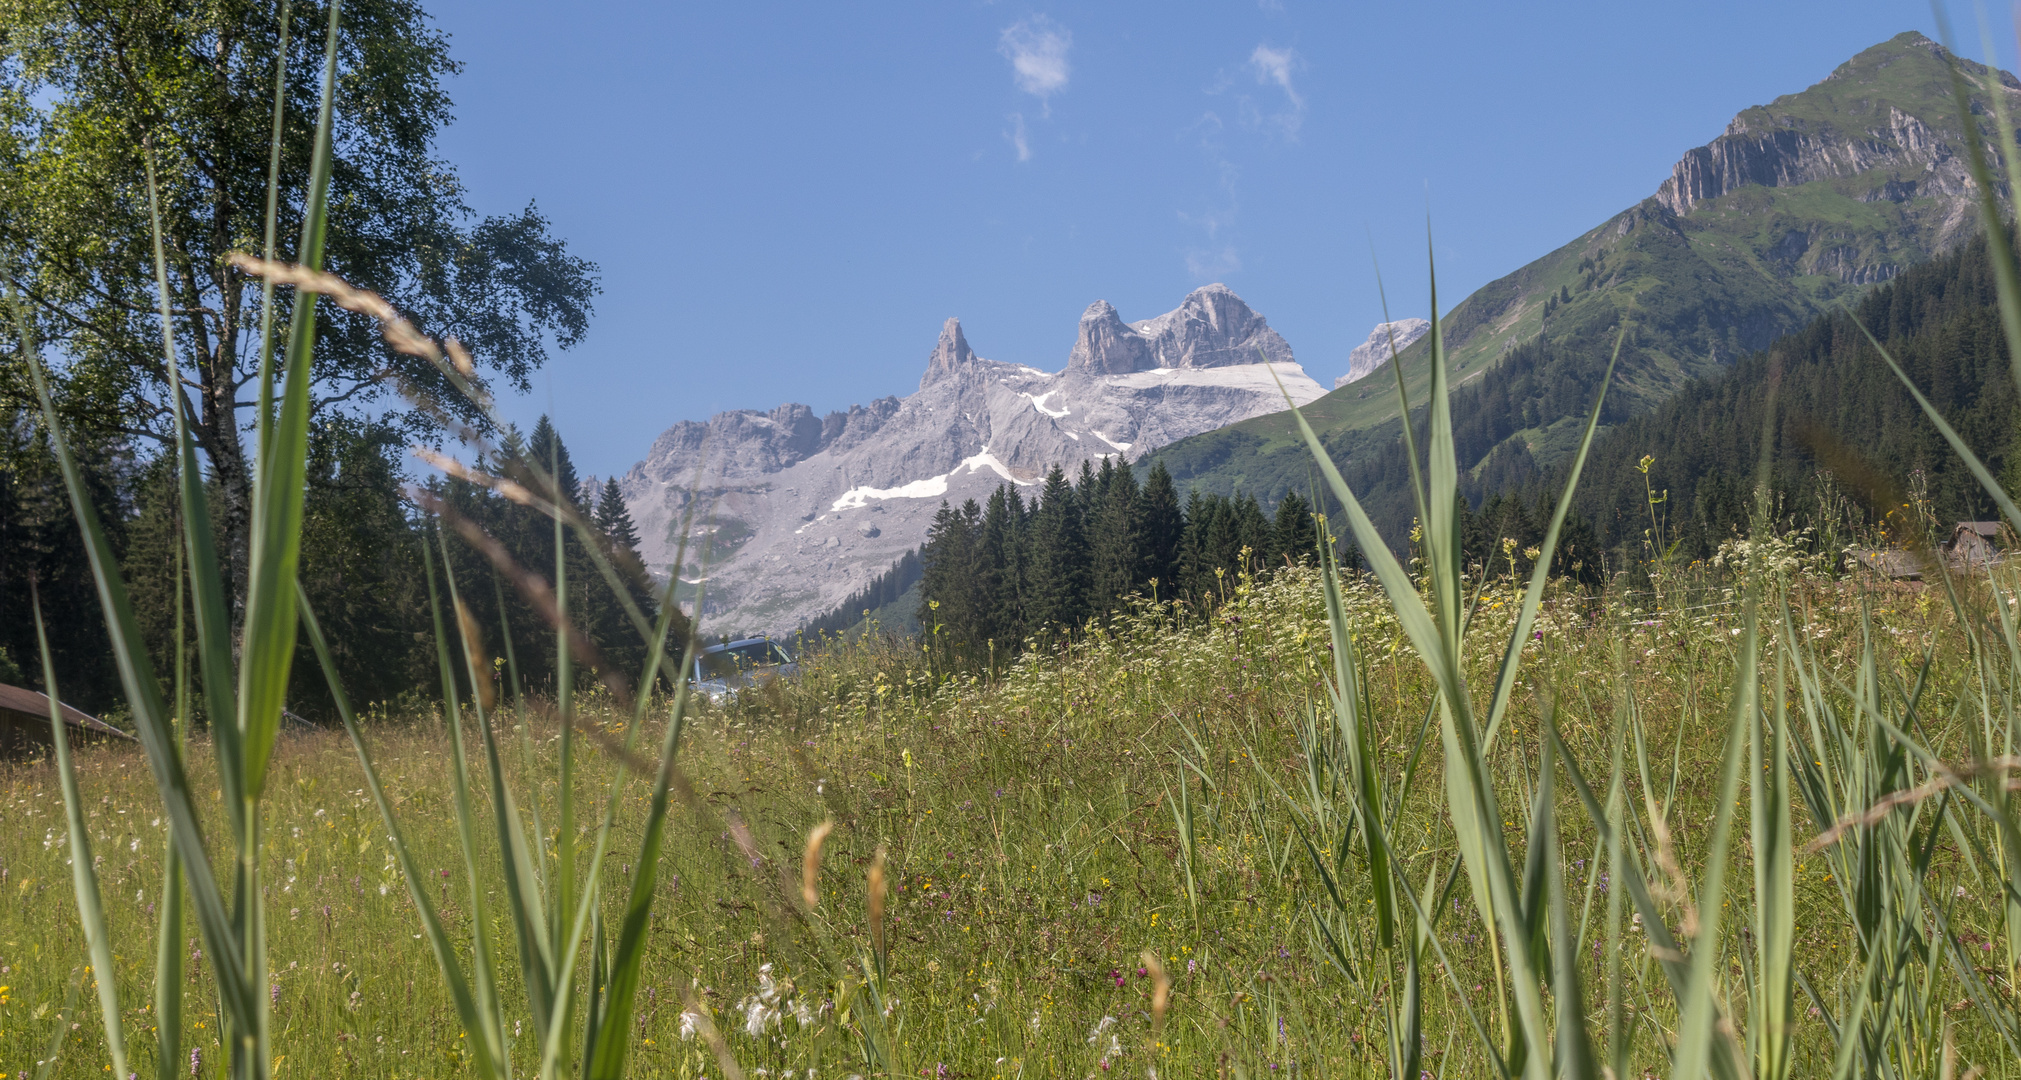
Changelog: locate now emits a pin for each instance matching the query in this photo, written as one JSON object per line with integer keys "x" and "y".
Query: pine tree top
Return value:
{"x": 615, "y": 519}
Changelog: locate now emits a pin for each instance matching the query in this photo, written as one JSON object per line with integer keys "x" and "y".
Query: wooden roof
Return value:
{"x": 35, "y": 703}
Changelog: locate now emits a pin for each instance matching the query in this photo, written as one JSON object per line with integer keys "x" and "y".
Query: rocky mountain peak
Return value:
{"x": 801, "y": 512}
{"x": 1211, "y": 328}
{"x": 950, "y": 355}
{"x": 1108, "y": 346}
{"x": 1385, "y": 341}
{"x": 1840, "y": 129}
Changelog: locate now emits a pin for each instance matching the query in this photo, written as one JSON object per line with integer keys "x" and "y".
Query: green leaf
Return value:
{"x": 83, "y": 876}
{"x": 438, "y": 940}
{"x": 151, "y": 721}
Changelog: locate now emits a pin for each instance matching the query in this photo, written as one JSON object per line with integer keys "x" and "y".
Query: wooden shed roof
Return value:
{"x": 35, "y": 703}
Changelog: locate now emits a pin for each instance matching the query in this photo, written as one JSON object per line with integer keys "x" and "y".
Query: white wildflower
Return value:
{"x": 1101, "y": 1026}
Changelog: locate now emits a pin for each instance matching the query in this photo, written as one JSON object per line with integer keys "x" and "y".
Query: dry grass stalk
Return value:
{"x": 1947, "y": 778}
{"x": 874, "y": 881}
{"x": 706, "y": 1028}
{"x": 507, "y": 488}
{"x": 1161, "y": 992}
{"x": 810, "y": 868}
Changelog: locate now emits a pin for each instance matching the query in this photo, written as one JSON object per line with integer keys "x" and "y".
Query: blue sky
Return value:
{"x": 787, "y": 199}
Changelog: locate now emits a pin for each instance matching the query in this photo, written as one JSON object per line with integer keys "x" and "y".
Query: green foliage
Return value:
{"x": 39, "y": 543}
{"x": 360, "y": 565}
{"x": 1847, "y": 437}
{"x": 994, "y": 581}
{"x": 882, "y": 595}
{"x": 527, "y": 535}
{"x": 1295, "y": 718}
{"x": 1054, "y": 589}
{"x": 89, "y": 92}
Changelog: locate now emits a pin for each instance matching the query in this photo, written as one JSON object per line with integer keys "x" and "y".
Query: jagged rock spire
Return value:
{"x": 1107, "y": 345}
{"x": 1211, "y": 328}
{"x": 950, "y": 355}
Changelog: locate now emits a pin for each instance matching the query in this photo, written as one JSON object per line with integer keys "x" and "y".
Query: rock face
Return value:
{"x": 1385, "y": 341}
{"x": 802, "y": 511}
{"x": 1877, "y": 135}
{"x": 1213, "y": 328}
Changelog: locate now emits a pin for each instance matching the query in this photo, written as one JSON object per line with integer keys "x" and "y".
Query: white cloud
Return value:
{"x": 1037, "y": 49}
{"x": 1275, "y": 66}
{"x": 1210, "y": 265}
{"x": 1016, "y": 135}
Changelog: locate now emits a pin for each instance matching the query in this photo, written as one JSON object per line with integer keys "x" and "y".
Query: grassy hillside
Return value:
{"x": 1864, "y": 179}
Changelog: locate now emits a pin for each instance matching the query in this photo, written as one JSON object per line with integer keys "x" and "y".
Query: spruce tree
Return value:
{"x": 952, "y": 601}
{"x": 1161, "y": 529}
{"x": 613, "y": 631}
{"x": 1252, "y": 532}
{"x": 1294, "y": 534}
{"x": 548, "y": 453}
{"x": 1220, "y": 543}
{"x": 1112, "y": 539}
{"x": 1002, "y": 535}
{"x": 1084, "y": 487}
{"x": 1195, "y": 571}
{"x": 615, "y": 519}
{"x": 1056, "y": 554}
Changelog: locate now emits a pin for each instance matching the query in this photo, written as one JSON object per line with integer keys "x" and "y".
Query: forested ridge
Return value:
{"x": 1847, "y": 442}
{"x": 996, "y": 576}
{"x": 1845, "y": 437}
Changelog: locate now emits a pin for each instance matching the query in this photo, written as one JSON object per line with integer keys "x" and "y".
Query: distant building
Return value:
{"x": 1895, "y": 565}
{"x": 24, "y": 724}
{"x": 1974, "y": 544}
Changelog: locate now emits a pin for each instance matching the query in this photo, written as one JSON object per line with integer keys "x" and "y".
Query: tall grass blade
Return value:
{"x": 453, "y": 977}
{"x": 168, "y": 932}
{"x": 1471, "y": 799}
{"x": 522, "y": 883}
{"x": 1573, "y": 1050}
{"x": 628, "y": 958}
{"x": 1773, "y": 1001}
{"x": 1696, "y": 1031}
{"x": 267, "y": 648}
{"x": 484, "y": 978}
{"x": 143, "y": 695}
{"x": 83, "y": 872}
{"x": 2006, "y": 273}
{"x": 206, "y": 578}
{"x": 46, "y": 1064}
{"x": 273, "y": 219}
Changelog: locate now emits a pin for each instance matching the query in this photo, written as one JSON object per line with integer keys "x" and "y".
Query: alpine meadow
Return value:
{"x": 1671, "y": 727}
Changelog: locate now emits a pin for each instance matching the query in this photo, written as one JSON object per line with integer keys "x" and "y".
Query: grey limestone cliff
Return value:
{"x": 799, "y": 512}
{"x": 1385, "y": 341}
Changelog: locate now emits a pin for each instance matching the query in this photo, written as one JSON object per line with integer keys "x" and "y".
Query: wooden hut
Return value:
{"x": 1974, "y": 544}
{"x": 24, "y": 724}
{"x": 1893, "y": 564}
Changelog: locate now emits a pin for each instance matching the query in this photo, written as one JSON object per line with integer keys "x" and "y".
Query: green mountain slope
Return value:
{"x": 1800, "y": 203}
{"x": 1842, "y": 428}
